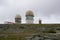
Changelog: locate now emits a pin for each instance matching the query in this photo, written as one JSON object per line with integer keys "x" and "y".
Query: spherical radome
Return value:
{"x": 17, "y": 16}
{"x": 29, "y": 12}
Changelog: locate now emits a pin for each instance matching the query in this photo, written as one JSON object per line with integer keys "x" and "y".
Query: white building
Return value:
{"x": 29, "y": 17}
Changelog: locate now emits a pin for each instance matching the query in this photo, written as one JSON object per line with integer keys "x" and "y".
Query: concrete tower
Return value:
{"x": 18, "y": 19}
{"x": 29, "y": 17}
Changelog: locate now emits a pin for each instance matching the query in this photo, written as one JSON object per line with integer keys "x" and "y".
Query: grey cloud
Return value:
{"x": 47, "y": 10}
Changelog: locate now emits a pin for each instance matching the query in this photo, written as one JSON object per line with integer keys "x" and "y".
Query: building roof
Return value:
{"x": 29, "y": 12}
{"x": 17, "y": 16}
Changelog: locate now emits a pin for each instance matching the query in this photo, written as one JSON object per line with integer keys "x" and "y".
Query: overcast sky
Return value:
{"x": 46, "y": 10}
